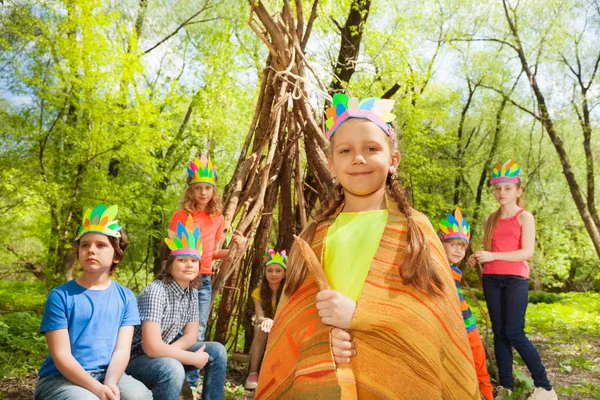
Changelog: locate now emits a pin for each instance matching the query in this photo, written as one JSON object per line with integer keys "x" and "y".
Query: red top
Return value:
{"x": 507, "y": 237}
{"x": 211, "y": 230}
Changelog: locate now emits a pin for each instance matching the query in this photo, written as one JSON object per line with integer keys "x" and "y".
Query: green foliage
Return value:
{"x": 233, "y": 391}
{"x": 543, "y": 297}
{"x": 22, "y": 296}
{"x": 22, "y": 348}
{"x": 584, "y": 388}
{"x": 523, "y": 384}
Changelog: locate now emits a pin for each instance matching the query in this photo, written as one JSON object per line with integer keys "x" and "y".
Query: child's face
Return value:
{"x": 274, "y": 274}
{"x": 184, "y": 269}
{"x": 96, "y": 253}
{"x": 455, "y": 250}
{"x": 203, "y": 192}
{"x": 507, "y": 193}
{"x": 361, "y": 157}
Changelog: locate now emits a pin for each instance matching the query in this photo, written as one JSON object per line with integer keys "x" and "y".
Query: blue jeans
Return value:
{"x": 166, "y": 375}
{"x": 507, "y": 297}
{"x": 204, "y": 297}
{"x": 58, "y": 387}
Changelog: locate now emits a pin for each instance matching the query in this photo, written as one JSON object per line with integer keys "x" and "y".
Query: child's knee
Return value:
{"x": 132, "y": 389}
{"x": 220, "y": 352}
{"x": 172, "y": 370}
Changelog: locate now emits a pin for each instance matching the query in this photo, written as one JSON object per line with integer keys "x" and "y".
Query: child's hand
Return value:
{"x": 115, "y": 389}
{"x": 342, "y": 346}
{"x": 201, "y": 357}
{"x": 266, "y": 325}
{"x": 105, "y": 393}
{"x": 239, "y": 239}
{"x": 482, "y": 257}
{"x": 335, "y": 308}
{"x": 473, "y": 260}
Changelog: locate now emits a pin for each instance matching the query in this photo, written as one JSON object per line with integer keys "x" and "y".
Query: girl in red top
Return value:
{"x": 202, "y": 201}
{"x": 509, "y": 242}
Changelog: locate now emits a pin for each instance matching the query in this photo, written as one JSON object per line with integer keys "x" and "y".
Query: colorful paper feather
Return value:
{"x": 273, "y": 257}
{"x": 507, "y": 172}
{"x": 374, "y": 109}
{"x": 455, "y": 227}
{"x": 186, "y": 241}
{"x": 100, "y": 219}
{"x": 202, "y": 170}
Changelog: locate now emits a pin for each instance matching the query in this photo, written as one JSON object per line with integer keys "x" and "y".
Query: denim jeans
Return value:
{"x": 507, "y": 297}
{"x": 204, "y": 297}
{"x": 58, "y": 387}
{"x": 166, "y": 375}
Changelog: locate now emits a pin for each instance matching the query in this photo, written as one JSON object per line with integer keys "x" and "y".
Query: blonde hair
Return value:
{"x": 417, "y": 270}
{"x": 188, "y": 201}
{"x": 492, "y": 220}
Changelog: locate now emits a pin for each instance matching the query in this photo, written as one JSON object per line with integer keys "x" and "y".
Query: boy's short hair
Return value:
{"x": 452, "y": 240}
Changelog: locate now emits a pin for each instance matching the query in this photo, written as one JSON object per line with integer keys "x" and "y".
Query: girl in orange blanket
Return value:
{"x": 392, "y": 292}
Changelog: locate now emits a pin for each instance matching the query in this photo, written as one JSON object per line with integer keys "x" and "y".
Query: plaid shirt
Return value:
{"x": 168, "y": 304}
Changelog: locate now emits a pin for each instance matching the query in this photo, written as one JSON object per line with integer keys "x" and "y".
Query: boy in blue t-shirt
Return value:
{"x": 89, "y": 321}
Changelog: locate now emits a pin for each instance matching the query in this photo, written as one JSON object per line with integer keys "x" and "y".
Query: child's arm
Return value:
{"x": 189, "y": 338}
{"x": 119, "y": 359}
{"x": 154, "y": 347}
{"x": 238, "y": 238}
{"x": 59, "y": 347}
{"x": 265, "y": 323}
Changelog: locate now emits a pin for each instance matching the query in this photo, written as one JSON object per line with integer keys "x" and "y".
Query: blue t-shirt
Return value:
{"x": 93, "y": 319}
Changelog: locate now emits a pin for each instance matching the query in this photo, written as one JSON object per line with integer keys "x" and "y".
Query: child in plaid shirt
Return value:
{"x": 160, "y": 355}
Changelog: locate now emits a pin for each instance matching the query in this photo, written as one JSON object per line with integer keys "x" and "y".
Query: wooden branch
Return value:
{"x": 182, "y": 25}
{"x": 311, "y": 20}
{"x": 351, "y": 37}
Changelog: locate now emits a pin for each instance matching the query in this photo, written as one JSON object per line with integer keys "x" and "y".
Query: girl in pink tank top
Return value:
{"x": 509, "y": 241}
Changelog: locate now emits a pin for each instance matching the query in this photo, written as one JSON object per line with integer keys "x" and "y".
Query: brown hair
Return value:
{"x": 493, "y": 218}
{"x": 188, "y": 201}
{"x": 417, "y": 269}
{"x": 118, "y": 244}
{"x": 266, "y": 294}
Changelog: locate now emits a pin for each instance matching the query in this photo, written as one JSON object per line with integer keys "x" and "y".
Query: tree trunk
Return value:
{"x": 546, "y": 120}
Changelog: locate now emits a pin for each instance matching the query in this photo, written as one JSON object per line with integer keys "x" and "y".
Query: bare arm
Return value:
{"x": 219, "y": 254}
{"x": 260, "y": 313}
{"x": 59, "y": 347}
{"x": 189, "y": 338}
{"x": 154, "y": 347}
{"x": 527, "y": 241}
{"x": 120, "y": 357}
{"x": 238, "y": 238}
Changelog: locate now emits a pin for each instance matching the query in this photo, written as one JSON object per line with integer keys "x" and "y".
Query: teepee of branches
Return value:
{"x": 282, "y": 172}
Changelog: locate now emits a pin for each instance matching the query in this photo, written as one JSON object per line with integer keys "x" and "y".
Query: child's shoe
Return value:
{"x": 542, "y": 394}
{"x": 195, "y": 395}
{"x": 503, "y": 394}
{"x": 251, "y": 381}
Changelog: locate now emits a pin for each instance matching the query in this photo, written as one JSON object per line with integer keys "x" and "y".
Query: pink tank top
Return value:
{"x": 507, "y": 237}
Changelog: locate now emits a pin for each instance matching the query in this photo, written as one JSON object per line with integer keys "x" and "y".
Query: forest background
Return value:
{"x": 107, "y": 101}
